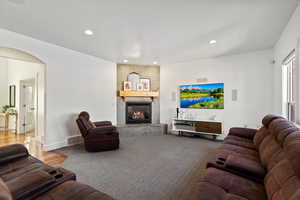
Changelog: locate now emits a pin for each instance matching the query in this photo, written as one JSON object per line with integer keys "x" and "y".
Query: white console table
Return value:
{"x": 197, "y": 127}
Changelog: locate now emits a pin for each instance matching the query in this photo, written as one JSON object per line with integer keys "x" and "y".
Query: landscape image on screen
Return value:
{"x": 203, "y": 96}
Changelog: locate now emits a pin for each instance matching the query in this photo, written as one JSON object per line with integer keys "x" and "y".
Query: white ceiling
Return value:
{"x": 146, "y": 30}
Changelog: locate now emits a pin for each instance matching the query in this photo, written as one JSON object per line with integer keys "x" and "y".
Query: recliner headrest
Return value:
{"x": 84, "y": 115}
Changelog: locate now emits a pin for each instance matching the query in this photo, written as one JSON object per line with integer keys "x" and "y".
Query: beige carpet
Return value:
{"x": 144, "y": 168}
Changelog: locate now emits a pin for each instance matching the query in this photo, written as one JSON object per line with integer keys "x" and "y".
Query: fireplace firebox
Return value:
{"x": 138, "y": 112}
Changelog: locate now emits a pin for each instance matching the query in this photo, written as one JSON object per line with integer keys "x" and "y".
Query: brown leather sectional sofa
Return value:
{"x": 253, "y": 164}
{"x": 23, "y": 177}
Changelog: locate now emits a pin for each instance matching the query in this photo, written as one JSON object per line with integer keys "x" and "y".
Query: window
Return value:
{"x": 288, "y": 86}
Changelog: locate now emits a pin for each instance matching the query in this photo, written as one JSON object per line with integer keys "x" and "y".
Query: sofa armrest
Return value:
{"x": 12, "y": 152}
{"x": 103, "y": 130}
{"x": 103, "y": 123}
{"x": 247, "y": 133}
{"x": 245, "y": 166}
{"x": 29, "y": 183}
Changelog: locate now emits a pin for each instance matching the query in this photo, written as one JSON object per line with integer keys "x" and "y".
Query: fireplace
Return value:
{"x": 138, "y": 112}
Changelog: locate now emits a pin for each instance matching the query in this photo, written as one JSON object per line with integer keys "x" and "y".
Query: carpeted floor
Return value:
{"x": 144, "y": 168}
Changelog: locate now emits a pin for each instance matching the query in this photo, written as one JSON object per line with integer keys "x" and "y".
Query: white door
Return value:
{"x": 29, "y": 108}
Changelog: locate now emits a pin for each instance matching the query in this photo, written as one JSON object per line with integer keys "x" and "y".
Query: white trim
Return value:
{"x": 74, "y": 137}
{"x": 54, "y": 146}
{"x": 65, "y": 143}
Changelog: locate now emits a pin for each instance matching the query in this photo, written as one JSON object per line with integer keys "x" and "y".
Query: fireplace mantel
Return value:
{"x": 151, "y": 94}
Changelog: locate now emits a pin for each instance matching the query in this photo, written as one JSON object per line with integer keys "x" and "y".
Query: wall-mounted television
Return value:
{"x": 202, "y": 96}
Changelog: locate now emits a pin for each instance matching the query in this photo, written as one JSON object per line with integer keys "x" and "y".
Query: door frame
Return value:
{"x": 41, "y": 88}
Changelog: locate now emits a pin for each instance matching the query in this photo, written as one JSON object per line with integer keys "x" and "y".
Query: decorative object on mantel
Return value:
{"x": 127, "y": 85}
{"x": 140, "y": 87}
{"x": 134, "y": 78}
{"x": 146, "y": 83}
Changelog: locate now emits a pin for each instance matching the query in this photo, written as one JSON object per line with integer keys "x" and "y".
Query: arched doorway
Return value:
{"x": 22, "y": 95}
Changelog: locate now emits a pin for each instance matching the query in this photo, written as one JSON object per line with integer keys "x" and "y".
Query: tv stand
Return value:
{"x": 197, "y": 127}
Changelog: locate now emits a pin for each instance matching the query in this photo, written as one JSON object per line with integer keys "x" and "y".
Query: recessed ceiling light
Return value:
{"x": 88, "y": 32}
{"x": 155, "y": 62}
{"x": 125, "y": 61}
{"x": 212, "y": 42}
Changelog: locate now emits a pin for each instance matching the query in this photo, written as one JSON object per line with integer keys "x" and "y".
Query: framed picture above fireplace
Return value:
{"x": 140, "y": 87}
{"x": 127, "y": 85}
{"x": 146, "y": 84}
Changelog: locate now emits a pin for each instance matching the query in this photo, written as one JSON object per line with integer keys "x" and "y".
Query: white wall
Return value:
{"x": 74, "y": 82}
{"x": 3, "y": 82}
{"x": 288, "y": 41}
{"x": 251, "y": 74}
{"x": 20, "y": 70}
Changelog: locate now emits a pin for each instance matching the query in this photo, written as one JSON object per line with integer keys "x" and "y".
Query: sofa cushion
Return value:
{"x": 235, "y": 140}
{"x": 247, "y": 133}
{"x": 245, "y": 166}
{"x": 208, "y": 191}
{"x": 234, "y": 184}
{"x": 281, "y": 182}
{"x": 29, "y": 183}
{"x": 4, "y": 191}
{"x": 21, "y": 166}
{"x": 239, "y": 149}
{"x": 224, "y": 153}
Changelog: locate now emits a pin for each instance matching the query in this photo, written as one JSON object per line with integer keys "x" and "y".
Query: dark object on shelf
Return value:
{"x": 255, "y": 164}
{"x": 98, "y": 136}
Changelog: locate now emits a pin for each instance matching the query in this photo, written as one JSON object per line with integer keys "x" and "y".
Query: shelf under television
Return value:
{"x": 194, "y": 127}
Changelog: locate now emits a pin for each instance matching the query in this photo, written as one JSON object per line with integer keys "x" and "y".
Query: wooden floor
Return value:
{"x": 34, "y": 147}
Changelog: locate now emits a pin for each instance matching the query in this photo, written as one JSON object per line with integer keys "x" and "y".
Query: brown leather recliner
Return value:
{"x": 98, "y": 136}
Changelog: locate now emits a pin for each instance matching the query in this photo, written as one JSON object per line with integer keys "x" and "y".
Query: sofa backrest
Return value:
{"x": 264, "y": 130}
{"x": 279, "y": 153}
{"x": 270, "y": 137}
{"x": 83, "y": 126}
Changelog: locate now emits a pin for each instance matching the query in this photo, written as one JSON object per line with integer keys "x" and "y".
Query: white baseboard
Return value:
{"x": 70, "y": 141}
{"x": 57, "y": 145}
